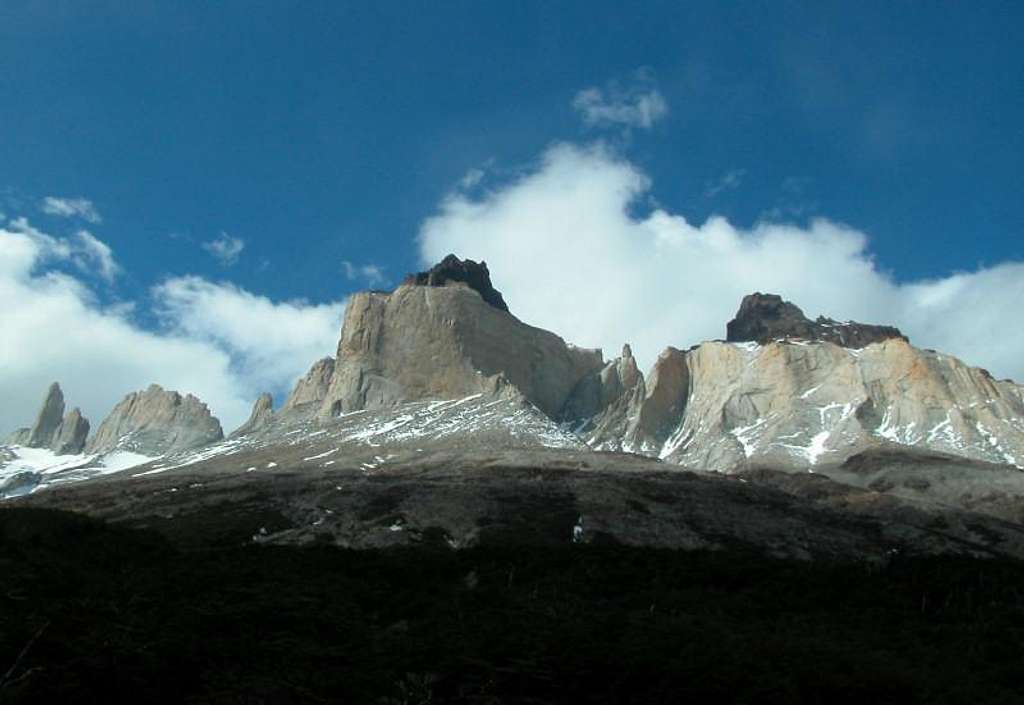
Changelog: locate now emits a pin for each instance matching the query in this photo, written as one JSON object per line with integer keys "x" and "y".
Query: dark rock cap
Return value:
{"x": 453, "y": 269}
{"x": 766, "y": 317}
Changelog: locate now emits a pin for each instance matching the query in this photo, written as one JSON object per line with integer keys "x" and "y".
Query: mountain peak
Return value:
{"x": 454, "y": 270}
{"x": 765, "y": 317}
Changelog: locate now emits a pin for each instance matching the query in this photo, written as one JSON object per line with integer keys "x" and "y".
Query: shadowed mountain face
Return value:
{"x": 763, "y": 318}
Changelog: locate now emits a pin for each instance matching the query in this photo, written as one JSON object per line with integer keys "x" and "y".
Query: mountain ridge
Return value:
{"x": 803, "y": 399}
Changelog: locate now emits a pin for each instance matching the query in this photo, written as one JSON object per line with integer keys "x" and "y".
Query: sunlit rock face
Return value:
{"x": 311, "y": 389}
{"x": 156, "y": 422}
{"x": 801, "y": 404}
{"x": 441, "y": 339}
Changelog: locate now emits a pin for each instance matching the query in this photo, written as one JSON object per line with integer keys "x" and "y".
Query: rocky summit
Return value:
{"x": 763, "y": 318}
{"x": 156, "y": 421}
{"x": 452, "y": 270}
{"x": 438, "y": 337}
{"x": 437, "y": 381}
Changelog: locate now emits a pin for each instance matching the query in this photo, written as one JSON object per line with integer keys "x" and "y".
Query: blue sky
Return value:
{"x": 304, "y": 136}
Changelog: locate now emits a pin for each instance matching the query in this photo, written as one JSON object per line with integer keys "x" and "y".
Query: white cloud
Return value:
{"x": 270, "y": 344}
{"x": 54, "y": 329}
{"x": 567, "y": 250}
{"x": 728, "y": 181}
{"x": 225, "y": 248}
{"x": 369, "y": 273}
{"x": 86, "y": 251}
{"x": 96, "y": 254}
{"x": 638, "y": 104}
{"x": 71, "y": 208}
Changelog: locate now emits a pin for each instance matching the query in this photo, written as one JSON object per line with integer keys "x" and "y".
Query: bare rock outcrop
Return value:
{"x": 763, "y": 318}
{"x": 313, "y": 387}
{"x": 156, "y": 422}
{"x": 70, "y": 436}
{"x": 802, "y": 404}
{"x": 441, "y": 339}
{"x": 668, "y": 388}
{"x": 48, "y": 419}
{"x": 603, "y": 407}
{"x": 261, "y": 416}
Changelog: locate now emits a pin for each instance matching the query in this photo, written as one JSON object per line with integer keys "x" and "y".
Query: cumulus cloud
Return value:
{"x": 54, "y": 328}
{"x": 636, "y": 104}
{"x": 78, "y": 207}
{"x": 270, "y": 344}
{"x": 372, "y": 274}
{"x": 225, "y": 248}
{"x": 567, "y": 248}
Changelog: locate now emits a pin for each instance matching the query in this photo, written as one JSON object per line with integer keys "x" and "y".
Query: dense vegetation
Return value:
{"x": 95, "y": 613}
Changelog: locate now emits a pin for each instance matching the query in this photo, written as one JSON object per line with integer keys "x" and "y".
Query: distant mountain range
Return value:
{"x": 440, "y": 363}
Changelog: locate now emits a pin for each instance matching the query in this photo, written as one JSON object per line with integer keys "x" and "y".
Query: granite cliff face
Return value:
{"x": 441, "y": 335}
{"x": 810, "y": 394}
{"x": 815, "y": 394}
{"x": 797, "y": 404}
{"x": 312, "y": 389}
{"x": 763, "y": 318}
{"x": 156, "y": 422}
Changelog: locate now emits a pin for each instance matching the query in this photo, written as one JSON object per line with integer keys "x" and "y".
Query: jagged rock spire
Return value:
{"x": 63, "y": 434}
{"x": 261, "y": 415}
{"x": 70, "y": 436}
{"x": 48, "y": 419}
